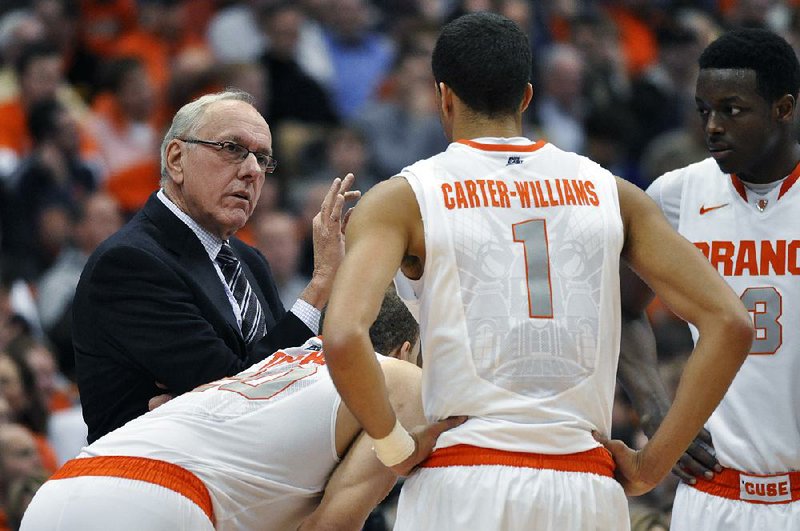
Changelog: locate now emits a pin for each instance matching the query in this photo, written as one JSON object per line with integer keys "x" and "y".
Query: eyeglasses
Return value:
{"x": 237, "y": 153}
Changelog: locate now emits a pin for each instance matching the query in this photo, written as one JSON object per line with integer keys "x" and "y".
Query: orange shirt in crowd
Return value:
{"x": 14, "y": 134}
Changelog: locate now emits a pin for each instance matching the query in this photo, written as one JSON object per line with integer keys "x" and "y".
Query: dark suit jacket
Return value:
{"x": 150, "y": 308}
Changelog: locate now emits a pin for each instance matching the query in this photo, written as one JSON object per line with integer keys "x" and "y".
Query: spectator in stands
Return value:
{"x": 278, "y": 238}
{"x": 19, "y": 463}
{"x": 17, "y": 29}
{"x": 561, "y": 106}
{"x": 97, "y": 218}
{"x": 127, "y": 131}
{"x": 27, "y": 408}
{"x": 666, "y": 88}
{"x": 344, "y": 149}
{"x": 360, "y": 56}
{"x": 404, "y": 126}
{"x": 50, "y": 183}
{"x": 293, "y": 94}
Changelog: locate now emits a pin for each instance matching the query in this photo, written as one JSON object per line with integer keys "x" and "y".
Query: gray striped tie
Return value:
{"x": 253, "y": 323}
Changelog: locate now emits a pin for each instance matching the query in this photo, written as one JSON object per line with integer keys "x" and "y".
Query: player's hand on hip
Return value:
{"x": 700, "y": 459}
{"x": 629, "y": 466}
{"x": 424, "y": 440}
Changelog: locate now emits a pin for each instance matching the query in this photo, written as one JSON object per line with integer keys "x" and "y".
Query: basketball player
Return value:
{"x": 740, "y": 208}
{"x": 510, "y": 251}
{"x": 251, "y": 452}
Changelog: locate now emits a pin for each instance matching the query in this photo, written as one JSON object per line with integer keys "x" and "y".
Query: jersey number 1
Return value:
{"x": 532, "y": 234}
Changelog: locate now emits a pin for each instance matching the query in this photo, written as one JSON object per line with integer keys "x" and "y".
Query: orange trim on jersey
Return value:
{"x": 785, "y": 186}
{"x": 790, "y": 180}
{"x": 729, "y": 484}
{"x": 154, "y": 471}
{"x": 527, "y": 148}
{"x": 739, "y": 186}
{"x": 594, "y": 461}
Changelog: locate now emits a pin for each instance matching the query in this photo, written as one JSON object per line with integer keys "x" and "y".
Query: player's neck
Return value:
{"x": 477, "y": 127}
{"x": 778, "y": 167}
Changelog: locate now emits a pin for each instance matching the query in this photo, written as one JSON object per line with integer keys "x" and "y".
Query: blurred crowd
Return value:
{"x": 87, "y": 88}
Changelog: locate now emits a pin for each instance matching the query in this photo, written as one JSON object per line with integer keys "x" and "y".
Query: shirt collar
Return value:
{"x": 211, "y": 243}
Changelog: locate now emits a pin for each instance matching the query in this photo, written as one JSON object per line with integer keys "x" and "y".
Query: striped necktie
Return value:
{"x": 253, "y": 322}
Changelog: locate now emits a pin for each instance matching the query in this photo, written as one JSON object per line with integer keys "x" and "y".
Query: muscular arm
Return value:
{"x": 378, "y": 237}
{"x": 360, "y": 481}
{"x": 385, "y": 226}
{"x": 688, "y": 284}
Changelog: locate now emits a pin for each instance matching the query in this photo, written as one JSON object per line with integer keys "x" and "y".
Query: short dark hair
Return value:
{"x": 769, "y": 55}
{"x": 43, "y": 119}
{"x": 115, "y": 73}
{"x": 485, "y": 59}
{"x": 394, "y": 325}
{"x": 31, "y": 52}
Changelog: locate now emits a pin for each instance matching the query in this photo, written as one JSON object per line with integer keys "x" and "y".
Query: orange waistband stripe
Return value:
{"x": 752, "y": 488}
{"x": 167, "y": 475}
{"x": 595, "y": 461}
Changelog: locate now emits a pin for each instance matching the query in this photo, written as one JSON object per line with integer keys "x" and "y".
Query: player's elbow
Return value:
{"x": 337, "y": 346}
{"x": 737, "y": 327}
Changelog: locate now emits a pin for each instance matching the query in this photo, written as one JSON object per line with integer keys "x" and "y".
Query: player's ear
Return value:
{"x": 784, "y": 108}
{"x": 526, "y": 97}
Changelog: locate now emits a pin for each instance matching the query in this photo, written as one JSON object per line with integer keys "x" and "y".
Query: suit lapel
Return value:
{"x": 191, "y": 254}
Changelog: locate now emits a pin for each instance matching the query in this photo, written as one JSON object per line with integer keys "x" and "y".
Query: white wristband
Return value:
{"x": 395, "y": 447}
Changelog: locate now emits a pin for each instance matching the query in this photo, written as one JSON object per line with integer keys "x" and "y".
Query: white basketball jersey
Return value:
{"x": 754, "y": 242}
{"x": 263, "y": 441}
{"x": 519, "y": 299}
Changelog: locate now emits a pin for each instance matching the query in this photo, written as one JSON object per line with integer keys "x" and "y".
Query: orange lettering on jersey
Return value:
{"x": 568, "y": 195}
{"x": 753, "y": 258}
{"x": 493, "y": 193}
{"x": 560, "y": 192}
{"x": 553, "y": 200}
{"x": 593, "y": 199}
{"x": 447, "y": 191}
{"x": 722, "y": 253}
{"x": 580, "y": 191}
{"x": 774, "y": 257}
{"x": 482, "y": 184}
{"x": 277, "y": 358}
{"x": 523, "y": 193}
{"x": 502, "y": 191}
{"x": 472, "y": 194}
{"x": 461, "y": 199}
{"x": 794, "y": 267}
{"x": 542, "y": 201}
{"x": 746, "y": 259}
{"x": 313, "y": 357}
{"x": 704, "y": 248}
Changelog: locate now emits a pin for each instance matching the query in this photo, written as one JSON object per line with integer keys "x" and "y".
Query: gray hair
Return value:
{"x": 188, "y": 119}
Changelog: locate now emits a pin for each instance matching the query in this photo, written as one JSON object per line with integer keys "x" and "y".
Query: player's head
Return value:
{"x": 395, "y": 332}
{"x": 746, "y": 95}
{"x": 485, "y": 59}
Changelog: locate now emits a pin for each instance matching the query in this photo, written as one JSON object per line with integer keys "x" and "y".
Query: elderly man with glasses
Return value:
{"x": 174, "y": 299}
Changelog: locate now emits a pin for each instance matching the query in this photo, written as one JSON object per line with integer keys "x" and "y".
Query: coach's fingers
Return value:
{"x": 158, "y": 400}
